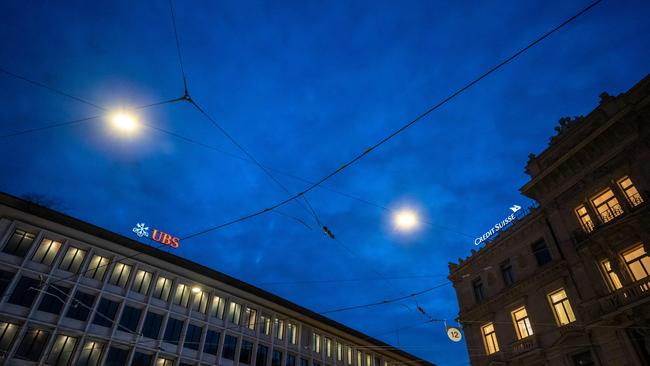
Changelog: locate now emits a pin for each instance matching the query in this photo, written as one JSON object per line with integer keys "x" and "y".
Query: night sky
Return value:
{"x": 304, "y": 86}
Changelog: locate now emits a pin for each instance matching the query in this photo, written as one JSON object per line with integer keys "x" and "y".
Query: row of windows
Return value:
{"x": 542, "y": 255}
{"x": 606, "y": 205}
{"x": 560, "y": 306}
{"x": 144, "y": 282}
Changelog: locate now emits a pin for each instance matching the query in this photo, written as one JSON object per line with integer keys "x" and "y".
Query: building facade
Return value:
{"x": 568, "y": 283}
{"x": 75, "y": 294}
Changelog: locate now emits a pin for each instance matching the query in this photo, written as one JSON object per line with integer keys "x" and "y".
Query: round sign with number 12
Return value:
{"x": 454, "y": 334}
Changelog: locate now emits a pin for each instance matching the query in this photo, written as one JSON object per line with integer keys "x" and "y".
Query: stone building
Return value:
{"x": 568, "y": 282}
{"x": 75, "y": 294}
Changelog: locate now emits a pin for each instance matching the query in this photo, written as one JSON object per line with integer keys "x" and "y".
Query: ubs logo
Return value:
{"x": 141, "y": 230}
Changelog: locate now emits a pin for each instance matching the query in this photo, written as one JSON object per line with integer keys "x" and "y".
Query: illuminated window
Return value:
{"x": 72, "y": 260}
{"x": 328, "y": 347}
{"x": 279, "y": 328}
{"x": 522, "y": 323}
{"x": 142, "y": 281}
{"x": 161, "y": 361}
{"x": 163, "y": 288}
{"x": 316, "y": 342}
{"x": 292, "y": 333}
{"x": 561, "y": 307}
{"x": 251, "y": 315}
{"x": 490, "y": 339}
{"x": 62, "y": 350}
{"x": 90, "y": 354}
{"x": 265, "y": 323}
{"x": 339, "y": 351}
{"x": 585, "y": 219}
{"x": 19, "y": 243}
{"x": 234, "y": 313}
{"x": 368, "y": 360}
{"x": 7, "y": 335}
{"x": 46, "y": 251}
{"x": 630, "y": 191}
{"x": 218, "y": 306}
{"x": 359, "y": 358}
{"x": 200, "y": 302}
{"x": 32, "y": 345}
{"x": 349, "y": 352}
{"x": 607, "y": 205}
{"x": 614, "y": 281}
{"x": 182, "y": 295}
{"x": 97, "y": 267}
{"x": 638, "y": 262}
{"x": 120, "y": 275}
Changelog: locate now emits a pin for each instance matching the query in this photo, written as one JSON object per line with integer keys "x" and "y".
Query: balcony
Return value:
{"x": 523, "y": 345}
{"x": 626, "y": 296}
{"x": 608, "y": 218}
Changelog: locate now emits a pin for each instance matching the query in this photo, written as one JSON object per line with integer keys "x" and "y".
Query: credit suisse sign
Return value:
{"x": 498, "y": 226}
{"x": 141, "y": 230}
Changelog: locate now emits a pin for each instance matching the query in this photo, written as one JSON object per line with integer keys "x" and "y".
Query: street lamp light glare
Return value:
{"x": 123, "y": 121}
{"x": 406, "y": 220}
{"x": 196, "y": 289}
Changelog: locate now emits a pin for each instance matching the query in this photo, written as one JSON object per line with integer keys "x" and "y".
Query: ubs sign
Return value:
{"x": 141, "y": 230}
{"x": 498, "y": 226}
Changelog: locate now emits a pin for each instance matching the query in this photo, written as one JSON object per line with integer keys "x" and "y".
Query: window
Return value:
{"x": 506, "y": 273}
{"x": 630, "y": 191}
{"x": 19, "y": 243}
{"x": 53, "y": 299}
{"x": 265, "y": 324}
{"x": 151, "y": 326}
{"x": 585, "y": 219}
{"x": 304, "y": 362}
{"x": 182, "y": 295}
{"x": 490, "y": 339}
{"x": 62, "y": 350}
{"x": 292, "y": 333}
{"x": 141, "y": 359}
{"x": 607, "y": 205}
{"x": 193, "y": 337}
{"x": 32, "y": 345}
{"x": 316, "y": 342}
{"x": 120, "y": 274}
{"x": 522, "y": 323}
{"x": 161, "y": 361}
{"x": 5, "y": 279}
{"x": 130, "y": 319}
{"x": 612, "y": 277}
{"x": 25, "y": 292}
{"x": 349, "y": 352}
{"x": 173, "y": 331}
{"x": 105, "y": 314}
{"x": 245, "y": 352}
{"x": 200, "y": 302}
{"x": 72, "y": 260}
{"x": 339, "y": 351}
{"x": 251, "y": 315}
{"x": 477, "y": 285}
{"x": 218, "y": 306}
{"x": 46, "y": 251}
{"x": 142, "y": 281}
{"x": 638, "y": 262}
{"x": 583, "y": 359}
{"x": 211, "y": 342}
{"x": 234, "y": 313}
{"x": 359, "y": 358}
{"x": 163, "y": 288}
{"x": 276, "y": 358}
{"x": 97, "y": 268}
{"x": 368, "y": 360}
{"x": 279, "y": 328}
{"x": 541, "y": 252}
{"x": 291, "y": 360}
{"x": 328, "y": 347}
{"x": 90, "y": 354}
{"x": 7, "y": 335}
{"x": 229, "y": 346}
{"x": 561, "y": 307}
{"x": 81, "y": 305}
{"x": 262, "y": 355}
{"x": 116, "y": 357}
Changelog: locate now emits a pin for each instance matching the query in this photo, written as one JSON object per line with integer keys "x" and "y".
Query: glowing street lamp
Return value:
{"x": 124, "y": 122}
{"x": 405, "y": 220}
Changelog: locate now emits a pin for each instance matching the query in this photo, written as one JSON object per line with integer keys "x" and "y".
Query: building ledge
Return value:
{"x": 626, "y": 297}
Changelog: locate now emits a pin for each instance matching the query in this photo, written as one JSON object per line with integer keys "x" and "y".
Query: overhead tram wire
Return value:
{"x": 398, "y": 131}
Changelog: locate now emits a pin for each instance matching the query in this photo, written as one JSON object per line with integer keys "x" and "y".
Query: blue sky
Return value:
{"x": 304, "y": 86}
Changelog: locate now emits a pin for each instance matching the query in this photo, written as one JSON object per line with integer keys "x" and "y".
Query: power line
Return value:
{"x": 396, "y": 132}
{"x": 178, "y": 46}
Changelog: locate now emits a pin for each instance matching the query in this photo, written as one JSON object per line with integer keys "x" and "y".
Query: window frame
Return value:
{"x": 634, "y": 199}
{"x": 493, "y": 346}
{"x": 45, "y": 257}
{"x": 643, "y": 261}
{"x": 612, "y": 211}
{"x": 519, "y": 321}
{"x": 585, "y": 219}
{"x": 565, "y": 303}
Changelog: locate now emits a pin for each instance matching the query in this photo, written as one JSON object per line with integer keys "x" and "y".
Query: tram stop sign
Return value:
{"x": 454, "y": 334}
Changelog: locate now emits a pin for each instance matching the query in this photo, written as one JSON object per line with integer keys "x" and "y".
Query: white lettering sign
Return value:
{"x": 498, "y": 226}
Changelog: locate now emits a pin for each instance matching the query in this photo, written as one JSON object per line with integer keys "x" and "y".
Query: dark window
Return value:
{"x": 506, "y": 273}
{"x": 173, "y": 331}
{"x": 193, "y": 337}
{"x": 141, "y": 359}
{"x": 245, "y": 352}
{"x": 291, "y": 360}
{"x": 116, "y": 357}
{"x": 32, "y": 345}
{"x": 583, "y": 359}
{"x": 276, "y": 358}
{"x": 62, "y": 350}
{"x": 151, "y": 327}
{"x": 262, "y": 354}
{"x": 304, "y": 362}
{"x": 477, "y": 285}
{"x": 19, "y": 243}
{"x": 130, "y": 319}
{"x": 5, "y": 279}
{"x": 541, "y": 252}
{"x": 229, "y": 346}
{"x": 105, "y": 314}
{"x": 54, "y": 299}
{"x": 25, "y": 292}
{"x": 7, "y": 334}
{"x": 81, "y": 305}
{"x": 211, "y": 342}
